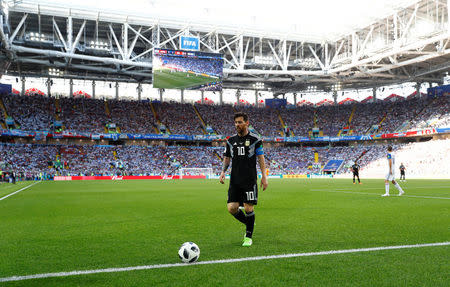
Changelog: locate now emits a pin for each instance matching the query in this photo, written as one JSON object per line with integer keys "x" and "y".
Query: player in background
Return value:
{"x": 243, "y": 150}
{"x": 391, "y": 174}
{"x": 402, "y": 172}
{"x": 355, "y": 169}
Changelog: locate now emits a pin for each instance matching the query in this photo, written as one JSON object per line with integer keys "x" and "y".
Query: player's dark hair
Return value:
{"x": 389, "y": 148}
{"x": 240, "y": 114}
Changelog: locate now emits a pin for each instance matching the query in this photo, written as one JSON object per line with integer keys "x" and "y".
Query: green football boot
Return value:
{"x": 247, "y": 242}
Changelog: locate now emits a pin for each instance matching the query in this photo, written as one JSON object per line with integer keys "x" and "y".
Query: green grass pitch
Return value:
{"x": 179, "y": 80}
{"x": 66, "y": 226}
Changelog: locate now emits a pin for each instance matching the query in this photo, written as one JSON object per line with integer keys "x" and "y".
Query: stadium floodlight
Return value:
{"x": 306, "y": 63}
{"x": 258, "y": 85}
{"x": 311, "y": 89}
{"x": 264, "y": 60}
{"x": 54, "y": 72}
{"x": 36, "y": 37}
{"x": 337, "y": 86}
{"x": 99, "y": 45}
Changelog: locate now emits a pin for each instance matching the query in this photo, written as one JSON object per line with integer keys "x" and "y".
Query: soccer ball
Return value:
{"x": 189, "y": 252}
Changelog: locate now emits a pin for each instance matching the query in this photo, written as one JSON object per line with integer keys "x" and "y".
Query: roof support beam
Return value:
{"x": 58, "y": 54}
{"x": 14, "y": 34}
{"x": 133, "y": 43}
{"x": 160, "y": 44}
{"x": 236, "y": 62}
{"x": 116, "y": 41}
{"x": 275, "y": 54}
{"x": 77, "y": 39}
{"x": 317, "y": 58}
{"x": 58, "y": 32}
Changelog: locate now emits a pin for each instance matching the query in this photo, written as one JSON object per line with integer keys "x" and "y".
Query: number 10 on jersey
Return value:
{"x": 241, "y": 150}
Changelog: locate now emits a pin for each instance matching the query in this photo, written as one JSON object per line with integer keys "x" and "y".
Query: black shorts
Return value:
{"x": 355, "y": 173}
{"x": 402, "y": 172}
{"x": 243, "y": 193}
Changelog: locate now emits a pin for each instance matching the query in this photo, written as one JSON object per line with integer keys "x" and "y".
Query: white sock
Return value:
{"x": 398, "y": 187}
{"x": 387, "y": 188}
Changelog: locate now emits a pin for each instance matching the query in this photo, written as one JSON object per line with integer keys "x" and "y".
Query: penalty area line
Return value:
{"x": 26, "y": 187}
{"x": 257, "y": 258}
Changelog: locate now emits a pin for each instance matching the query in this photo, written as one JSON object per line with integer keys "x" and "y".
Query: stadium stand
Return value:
{"x": 33, "y": 159}
{"x": 89, "y": 115}
{"x": 39, "y": 113}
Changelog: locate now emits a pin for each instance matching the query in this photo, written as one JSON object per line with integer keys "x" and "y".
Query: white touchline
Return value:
{"x": 257, "y": 258}
{"x": 381, "y": 192}
{"x": 28, "y": 186}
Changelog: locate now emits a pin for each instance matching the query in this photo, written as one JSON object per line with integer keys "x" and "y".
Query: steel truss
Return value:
{"x": 95, "y": 45}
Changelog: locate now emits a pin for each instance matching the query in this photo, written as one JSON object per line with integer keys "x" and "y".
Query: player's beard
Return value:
{"x": 241, "y": 130}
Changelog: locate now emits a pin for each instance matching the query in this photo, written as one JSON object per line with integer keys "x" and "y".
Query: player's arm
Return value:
{"x": 262, "y": 167}
{"x": 226, "y": 164}
{"x": 390, "y": 165}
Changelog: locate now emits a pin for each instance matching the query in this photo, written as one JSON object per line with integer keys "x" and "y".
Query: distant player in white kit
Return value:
{"x": 391, "y": 173}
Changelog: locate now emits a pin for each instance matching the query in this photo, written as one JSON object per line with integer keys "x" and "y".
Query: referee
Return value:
{"x": 355, "y": 170}
{"x": 243, "y": 150}
{"x": 402, "y": 172}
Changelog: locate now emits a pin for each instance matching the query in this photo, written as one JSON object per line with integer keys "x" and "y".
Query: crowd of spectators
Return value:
{"x": 179, "y": 118}
{"x": 91, "y": 115}
{"x": 132, "y": 116}
{"x": 421, "y": 159}
{"x": 28, "y": 159}
{"x": 83, "y": 115}
{"x": 34, "y": 159}
{"x": 30, "y": 112}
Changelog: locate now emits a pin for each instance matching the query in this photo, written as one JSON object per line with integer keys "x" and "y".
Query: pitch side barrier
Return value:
{"x": 42, "y": 135}
{"x": 126, "y": 177}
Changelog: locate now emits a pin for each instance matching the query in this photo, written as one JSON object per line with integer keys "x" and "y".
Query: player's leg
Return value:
{"x": 250, "y": 199}
{"x": 233, "y": 204}
{"x": 250, "y": 224}
{"x": 353, "y": 178}
{"x": 386, "y": 186}
{"x": 400, "y": 190}
{"x": 359, "y": 181}
{"x": 233, "y": 209}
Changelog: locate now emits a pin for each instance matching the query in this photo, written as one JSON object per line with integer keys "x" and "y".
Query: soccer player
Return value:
{"x": 243, "y": 150}
{"x": 391, "y": 174}
{"x": 355, "y": 170}
{"x": 402, "y": 172}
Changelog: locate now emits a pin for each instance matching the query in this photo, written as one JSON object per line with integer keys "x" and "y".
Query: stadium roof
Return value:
{"x": 311, "y": 21}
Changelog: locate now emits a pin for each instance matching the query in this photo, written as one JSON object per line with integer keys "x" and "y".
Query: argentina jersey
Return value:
{"x": 243, "y": 152}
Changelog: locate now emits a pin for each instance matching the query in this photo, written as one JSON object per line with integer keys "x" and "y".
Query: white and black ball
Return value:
{"x": 189, "y": 252}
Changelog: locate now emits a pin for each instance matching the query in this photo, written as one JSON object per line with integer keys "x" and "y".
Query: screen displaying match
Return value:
{"x": 174, "y": 69}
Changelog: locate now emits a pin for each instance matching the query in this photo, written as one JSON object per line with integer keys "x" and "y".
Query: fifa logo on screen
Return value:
{"x": 189, "y": 43}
